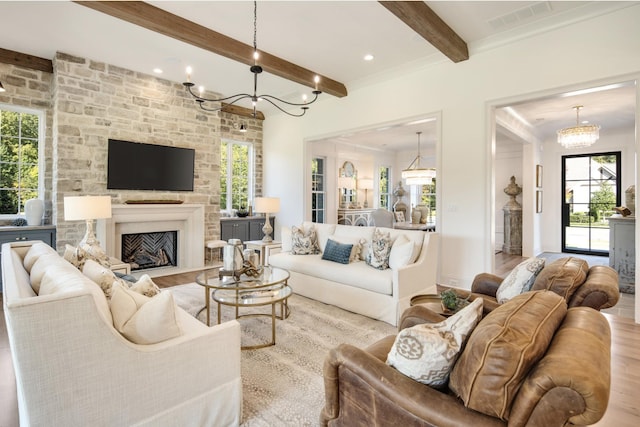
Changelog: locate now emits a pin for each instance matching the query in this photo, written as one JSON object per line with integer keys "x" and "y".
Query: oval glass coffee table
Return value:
{"x": 270, "y": 288}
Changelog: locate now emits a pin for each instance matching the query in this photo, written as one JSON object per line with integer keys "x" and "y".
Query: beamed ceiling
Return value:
{"x": 298, "y": 39}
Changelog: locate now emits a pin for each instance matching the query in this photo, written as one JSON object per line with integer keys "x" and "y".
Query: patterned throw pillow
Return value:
{"x": 304, "y": 243}
{"x": 379, "y": 250}
{"x": 427, "y": 352}
{"x": 337, "y": 252}
{"x": 520, "y": 279}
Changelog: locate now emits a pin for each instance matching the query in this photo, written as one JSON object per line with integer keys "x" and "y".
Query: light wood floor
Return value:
{"x": 623, "y": 409}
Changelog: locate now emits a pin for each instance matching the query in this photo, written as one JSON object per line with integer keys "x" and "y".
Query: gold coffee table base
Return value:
{"x": 278, "y": 294}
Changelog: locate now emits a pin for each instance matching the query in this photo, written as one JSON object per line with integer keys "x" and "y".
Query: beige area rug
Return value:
{"x": 282, "y": 385}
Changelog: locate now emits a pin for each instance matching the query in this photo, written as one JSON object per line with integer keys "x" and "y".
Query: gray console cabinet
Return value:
{"x": 249, "y": 228}
{"x": 46, "y": 233}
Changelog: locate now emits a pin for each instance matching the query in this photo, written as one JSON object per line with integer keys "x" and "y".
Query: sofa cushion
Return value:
{"x": 562, "y": 276}
{"x": 520, "y": 279}
{"x": 323, "y": 231}
{"x": 503, "y": 348}
{"x": 338, "y": 252}
{"x": 403, "y": 252}
{"x": 380, "y": 249}
{"x": 65, "y": 278}
{"x": 36, "y": 251}
{"x": 144, "y": 320}
{"x": 41, "y": 266}
{"x": 357, "y": 274}
{"x": 428, "y": 351}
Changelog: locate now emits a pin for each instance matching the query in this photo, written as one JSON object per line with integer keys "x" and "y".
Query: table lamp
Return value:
{"x": 267, "y": 205}
{"x": 365, "y": 184}
{"x": 89, "y": 208}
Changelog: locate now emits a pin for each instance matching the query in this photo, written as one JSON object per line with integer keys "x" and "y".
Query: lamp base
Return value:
{"x": 91, "y": 245}
{"x": 267, "y": 229}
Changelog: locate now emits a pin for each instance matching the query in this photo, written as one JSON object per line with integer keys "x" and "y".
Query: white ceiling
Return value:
{"x": 328, "y": 37}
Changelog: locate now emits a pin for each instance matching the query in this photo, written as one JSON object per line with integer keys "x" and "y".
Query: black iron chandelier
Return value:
{"x": 255, "y": 69}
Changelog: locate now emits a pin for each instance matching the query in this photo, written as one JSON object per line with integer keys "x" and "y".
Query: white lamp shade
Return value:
{"x": 267, "y": 204}
{"x": 365, "y": 184}
{"x": 87, "y": 207}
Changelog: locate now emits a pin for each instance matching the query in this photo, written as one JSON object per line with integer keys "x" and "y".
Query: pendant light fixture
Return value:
{"x": 414, "y": 174}
{"x": 578, "y": 135}
{"x": 256, "y": 69}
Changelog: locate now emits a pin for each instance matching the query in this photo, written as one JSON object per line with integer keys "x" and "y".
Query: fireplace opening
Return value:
{"x": 150, "y": 250}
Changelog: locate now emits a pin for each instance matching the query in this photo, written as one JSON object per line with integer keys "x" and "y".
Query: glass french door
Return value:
{"x": 591, "y": 189}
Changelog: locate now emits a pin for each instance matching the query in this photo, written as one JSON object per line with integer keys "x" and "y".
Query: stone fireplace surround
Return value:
{"x": 186, "y": 219}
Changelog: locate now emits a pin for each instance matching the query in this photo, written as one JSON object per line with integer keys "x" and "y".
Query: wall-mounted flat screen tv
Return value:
{"x": 137, "y": 166}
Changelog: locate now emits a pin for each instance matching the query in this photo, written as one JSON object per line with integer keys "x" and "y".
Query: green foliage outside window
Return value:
{"x": 602, "y": 200}
{"x": 235, "y": 174}
{"x": 383, "y": 182}
{"x": 18, "y": 160}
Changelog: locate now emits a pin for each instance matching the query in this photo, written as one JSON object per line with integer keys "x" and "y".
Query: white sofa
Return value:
{"x": 73, "y": 368}
{"x": 358, "y": 287}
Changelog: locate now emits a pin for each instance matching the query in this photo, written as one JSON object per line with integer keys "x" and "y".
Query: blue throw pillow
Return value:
{"x": 337, "y": 252}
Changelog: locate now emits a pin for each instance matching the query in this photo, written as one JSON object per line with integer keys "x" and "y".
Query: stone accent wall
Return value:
{"x": 86, "y": 102}
{"x": 32, "y": 89}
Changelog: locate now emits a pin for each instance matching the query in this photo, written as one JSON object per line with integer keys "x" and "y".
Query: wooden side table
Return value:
{"x": 118, "y": 266}
{"x": 264, "y": 248}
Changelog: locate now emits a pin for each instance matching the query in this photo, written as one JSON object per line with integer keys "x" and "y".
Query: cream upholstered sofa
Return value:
{"x": 358, "y": 287}
{"x": 74, "y": 368}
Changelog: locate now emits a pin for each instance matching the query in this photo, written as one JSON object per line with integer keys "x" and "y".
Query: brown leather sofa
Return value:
{"x": 570, "y": 277}
{"x": 498, "y": 380}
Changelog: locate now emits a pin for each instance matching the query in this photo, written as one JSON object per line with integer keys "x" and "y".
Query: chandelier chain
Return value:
{"x": 255, "y": 69}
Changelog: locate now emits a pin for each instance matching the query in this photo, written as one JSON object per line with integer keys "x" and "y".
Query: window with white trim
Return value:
{"x": 236, "y": 175}
{"x": 384, "y": 187}
{"x": 318, "y": 189}
{"x": 21, "y": 139}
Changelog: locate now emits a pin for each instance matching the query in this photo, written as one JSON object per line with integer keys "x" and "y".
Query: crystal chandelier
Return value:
{"x": 578, "y": 135}
{"x": 256, "y": 69}
{"x": 416, "y": 175}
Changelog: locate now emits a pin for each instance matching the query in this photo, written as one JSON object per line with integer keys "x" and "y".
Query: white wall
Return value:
{"x": 460, "y": 93}
{"x": 618, "y": 140}
{"x": 508, "y": 163}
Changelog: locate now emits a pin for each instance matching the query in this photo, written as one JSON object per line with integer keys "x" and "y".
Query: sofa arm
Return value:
{"x": 362, "y": 390}
{"x": 418, "y": 315}
{"x": 486, "y": 283}
{"x": 563, "y": 389}
{"x": 599, "y": 291}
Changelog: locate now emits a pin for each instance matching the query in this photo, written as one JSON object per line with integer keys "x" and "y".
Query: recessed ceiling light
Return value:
{"x": 368, "y": 57}
{"x": 157, "y": 70}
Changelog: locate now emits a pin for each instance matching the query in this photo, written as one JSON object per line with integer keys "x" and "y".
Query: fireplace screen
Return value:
{"x": 150, "y": 250}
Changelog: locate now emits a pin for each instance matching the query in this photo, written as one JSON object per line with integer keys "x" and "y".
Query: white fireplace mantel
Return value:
{"x": 187, "y": 220}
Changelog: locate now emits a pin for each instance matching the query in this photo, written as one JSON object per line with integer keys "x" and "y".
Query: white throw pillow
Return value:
{"x": 285, "y": 235}
{"x": 40, "y": 267}
{"x": 144, "y": 320}
{"x": 427, "y": 352}
{"x": 403, "y": 252}
{"x": 520, "y": 279}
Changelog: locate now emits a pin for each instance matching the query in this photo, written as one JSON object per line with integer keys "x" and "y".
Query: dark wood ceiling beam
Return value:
{"x": 424, "y": 21}
{"x": 26, "y": 61}
{"x": 168, "y": 24}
